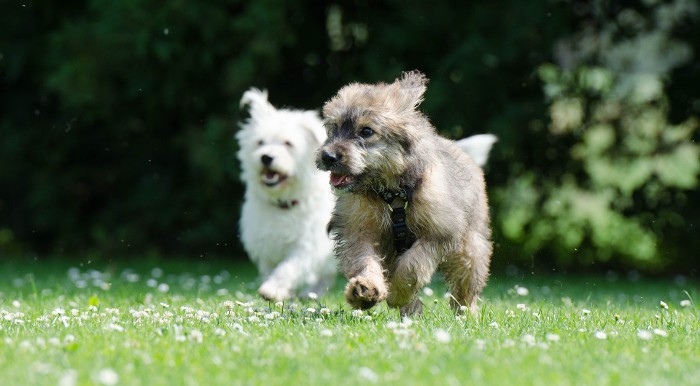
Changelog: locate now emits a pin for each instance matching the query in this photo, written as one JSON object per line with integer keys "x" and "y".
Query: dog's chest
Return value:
{"x": 270, "y": 234}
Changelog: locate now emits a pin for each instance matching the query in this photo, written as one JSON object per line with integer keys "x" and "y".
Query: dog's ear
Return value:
{"x": 314, "y": 127}
{"x": 413, "y": 85}
{"x": 257, "y": 101}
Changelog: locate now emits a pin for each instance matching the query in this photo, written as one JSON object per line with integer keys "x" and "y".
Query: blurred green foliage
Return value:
{"x": 117, "y": 118}
{"x": 628, "y": 169}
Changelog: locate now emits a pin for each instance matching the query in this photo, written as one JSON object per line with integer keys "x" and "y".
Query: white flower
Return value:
{"x": 272, "y": 315}
{"x": 644, "y": 334}
{"x": 196, "y": 336}
{"x": 392, "y": 325}
{"x": 16, "y": 304}
{"x": 279, "y": 304}
{"x": 326, "y": 332}
{"x": 521, "y": 307}
{"x": 406, "y": 322}
{"x": 166, "y": 305}
{"x": 522, "y": 291}
{"x": 219, "y": 332}
{"x": 324, "y": 311}
{"x": 368, "y": 374}
{"x": 163, "y": 287}
{"x": 58, "y": 311}
{"x": 68, "y": 378}
{"x": 115, "y": 327}
{"x": 65, "y": 320}
{"x": 357, "y": 313}
{"x": 685, "y": 303}
{"x": 528, "y": 339}
{"x": 660, "y": 332}
{"x": 427, "y": 291}
{"x": 601, "y": 335}
{"x": 442, "y": 336}
{"x": 312, "y": 295}
{"x": 663, "y": 305}
{"x": 494, "y": 324}
{"x": 107, "y": 377}
{"x": 585, "y": 311}
{"x": 552, "y": 337}
{"x": 311, "y": 310}
{"x": 462, "y": 309}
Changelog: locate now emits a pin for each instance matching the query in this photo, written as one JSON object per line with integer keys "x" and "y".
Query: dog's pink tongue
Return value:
{"x": 339, "y": 180}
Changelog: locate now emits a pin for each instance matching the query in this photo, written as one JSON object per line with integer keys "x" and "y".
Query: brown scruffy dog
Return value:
{"x": 410, "y": 202}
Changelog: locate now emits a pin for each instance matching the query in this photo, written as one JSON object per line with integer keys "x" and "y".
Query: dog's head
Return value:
{"x": 372, "y": 130}
{"x": 276, "y": 145}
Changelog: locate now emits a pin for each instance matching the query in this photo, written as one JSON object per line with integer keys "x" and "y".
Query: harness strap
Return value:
{"x": 398, "y": 203}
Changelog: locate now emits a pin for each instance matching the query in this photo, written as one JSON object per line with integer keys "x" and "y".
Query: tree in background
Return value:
{"x": 626, "y": 170}
{"x": 117, "y": 118}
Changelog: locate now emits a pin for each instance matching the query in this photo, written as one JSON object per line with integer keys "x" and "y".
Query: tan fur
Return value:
{"x": 448, "y": 212}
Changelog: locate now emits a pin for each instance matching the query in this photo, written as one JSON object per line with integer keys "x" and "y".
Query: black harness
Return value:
{"x": 398, "y": 203}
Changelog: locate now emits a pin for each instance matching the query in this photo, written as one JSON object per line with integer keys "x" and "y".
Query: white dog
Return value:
{"x": 288, "y": 202}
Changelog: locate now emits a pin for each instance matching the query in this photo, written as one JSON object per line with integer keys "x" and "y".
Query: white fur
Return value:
{"x": 290, "y": 247}
{"x": 478, "y": 147}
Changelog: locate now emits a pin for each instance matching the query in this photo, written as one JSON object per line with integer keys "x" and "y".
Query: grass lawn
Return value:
{"x": 187, "y": 323}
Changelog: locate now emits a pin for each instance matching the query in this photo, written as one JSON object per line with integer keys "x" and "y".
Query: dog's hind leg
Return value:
{"x": 414, "y": 307}
{"x": 466, "y": 273}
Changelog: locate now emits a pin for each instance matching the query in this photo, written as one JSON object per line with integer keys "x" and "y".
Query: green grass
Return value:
{"x": 201, "y": 324}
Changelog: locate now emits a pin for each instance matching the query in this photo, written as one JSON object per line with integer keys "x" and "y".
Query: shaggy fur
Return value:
{"x": 379, "y": 142}
{"x": 287, "y": 200}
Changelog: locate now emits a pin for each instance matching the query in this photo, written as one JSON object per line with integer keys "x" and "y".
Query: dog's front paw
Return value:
{"x": 273, "y": 292}
{"x": 363, "y": 293}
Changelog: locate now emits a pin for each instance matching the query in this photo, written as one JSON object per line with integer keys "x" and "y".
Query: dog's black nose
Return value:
{"x": 329, "y": 158}
{"x": 266, "y": 160}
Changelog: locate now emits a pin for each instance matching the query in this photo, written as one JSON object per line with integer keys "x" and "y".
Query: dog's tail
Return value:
{"x": 478, "y": 147}
{"x": 256, "y": 99}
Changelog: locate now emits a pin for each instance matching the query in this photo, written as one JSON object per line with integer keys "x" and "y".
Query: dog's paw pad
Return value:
{"x": 363, "y": 294}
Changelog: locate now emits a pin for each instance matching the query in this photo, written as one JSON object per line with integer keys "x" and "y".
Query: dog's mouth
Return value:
{"x": 340, "y": 181}
{"x": 272, "y": 178}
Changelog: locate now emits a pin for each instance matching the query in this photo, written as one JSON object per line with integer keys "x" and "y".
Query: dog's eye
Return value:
{"x": 288, "y": 144}
{"x": 261, "y": 142}
{"x": 366, "y": 132}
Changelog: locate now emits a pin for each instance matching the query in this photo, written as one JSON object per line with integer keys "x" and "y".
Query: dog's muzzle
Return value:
{"x": 329, "y": 160}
